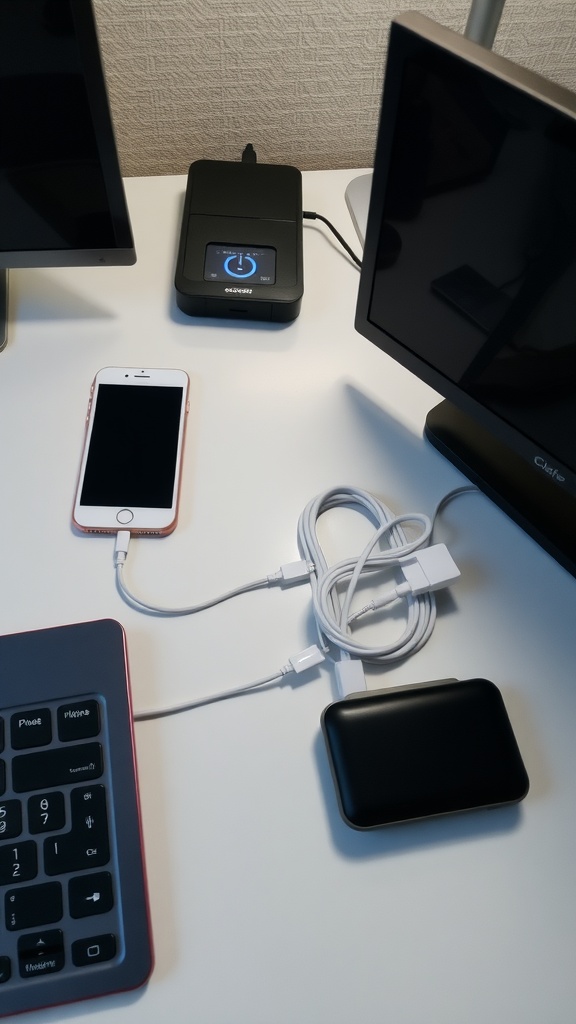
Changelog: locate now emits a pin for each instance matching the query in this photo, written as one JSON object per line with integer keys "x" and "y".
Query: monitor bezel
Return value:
{"x": 123, "y": 253}
{"x": 407, "y": 32}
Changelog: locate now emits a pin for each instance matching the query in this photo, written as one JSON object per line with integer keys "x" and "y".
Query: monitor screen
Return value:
{"x": 469, "y": 270}
{"x": 62, "y": 200}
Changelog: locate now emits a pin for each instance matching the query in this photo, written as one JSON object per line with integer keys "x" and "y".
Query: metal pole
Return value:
{"x": 483, "y": 21}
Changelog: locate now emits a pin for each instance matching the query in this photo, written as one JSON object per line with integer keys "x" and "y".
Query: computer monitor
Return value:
{"x": 62, "y": 200}
{"x": 469, "y": 270}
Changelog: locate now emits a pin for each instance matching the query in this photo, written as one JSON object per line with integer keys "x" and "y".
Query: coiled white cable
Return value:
{"x": 333, "y": 615}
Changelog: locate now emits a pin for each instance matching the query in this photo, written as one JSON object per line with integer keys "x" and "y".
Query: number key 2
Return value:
{"x": 18, "y": 862}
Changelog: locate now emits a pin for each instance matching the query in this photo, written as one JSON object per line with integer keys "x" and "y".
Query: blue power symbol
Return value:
{"x": 240, "y": 265}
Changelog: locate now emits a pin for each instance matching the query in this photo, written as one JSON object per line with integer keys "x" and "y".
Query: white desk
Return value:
{"x": 266, "y": 908}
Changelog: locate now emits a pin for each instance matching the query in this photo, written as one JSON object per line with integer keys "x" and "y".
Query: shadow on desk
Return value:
{"x": 225, "y": 333}
{"x": 401, "y": 451}
{"x": 403, "y": 838}
{"x": 40, "y": 295}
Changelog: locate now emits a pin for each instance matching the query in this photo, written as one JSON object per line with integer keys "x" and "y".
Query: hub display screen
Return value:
{"x": 240, "y": 263}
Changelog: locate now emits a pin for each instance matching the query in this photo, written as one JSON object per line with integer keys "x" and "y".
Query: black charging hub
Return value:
{"x": 240, "y": 252}
{"x": 422, "y": 750}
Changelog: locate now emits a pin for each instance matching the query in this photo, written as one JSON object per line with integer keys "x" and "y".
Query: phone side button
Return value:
{"x": 124, "y": 516}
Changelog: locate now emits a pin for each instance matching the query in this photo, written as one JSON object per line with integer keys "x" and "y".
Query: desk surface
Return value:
{"x": 266, "y": 908}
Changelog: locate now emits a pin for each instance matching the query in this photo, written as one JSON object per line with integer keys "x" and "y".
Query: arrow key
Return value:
{"x": 90, "y": 894}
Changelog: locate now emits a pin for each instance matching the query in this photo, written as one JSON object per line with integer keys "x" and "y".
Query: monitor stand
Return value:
{"x": 537, "y": 504}
{"x": 357, "y": 197}
{"x": 3, "y": 308}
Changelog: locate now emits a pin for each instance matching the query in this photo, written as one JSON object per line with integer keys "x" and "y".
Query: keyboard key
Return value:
{"x": 93, "y": 950}
{"x": 10, "y": 819}
{"x": 88, "y": 810}
{"x": 18, "y": 862}
{"x": 2, "y": 777}
{"x": 46, "y": 812}
{"x": 78, "y": 721}
{"x": 86, "y": 844}
{"x": 33, "y": 906}
{"x": 41, "y": 953}
{"x": 31, "y": 728}
{"x": 57, "y": 767}
{"x": 1, "y": 734}
{"x": 90, "y": 894}
{"x": 5, "y": 969}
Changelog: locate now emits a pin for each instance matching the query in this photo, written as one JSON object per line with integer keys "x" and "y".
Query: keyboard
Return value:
{"x": 74, "y": 919}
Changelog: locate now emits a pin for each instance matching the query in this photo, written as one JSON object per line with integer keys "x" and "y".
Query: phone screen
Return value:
{"x": 133, "y": 447}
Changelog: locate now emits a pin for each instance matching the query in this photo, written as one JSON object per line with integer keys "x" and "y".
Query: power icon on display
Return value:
{"x": 240, "y": 265}
{"x": 235, "y": 265}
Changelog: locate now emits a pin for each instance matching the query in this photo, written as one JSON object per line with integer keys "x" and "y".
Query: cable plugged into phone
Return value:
{"x": 287, "y": 575}
{"x": 121, "y": 547}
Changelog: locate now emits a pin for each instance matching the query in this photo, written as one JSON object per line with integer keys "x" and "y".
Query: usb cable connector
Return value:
{"x": 350, "y": 677}
{"x": 429, "y": 569}
{"x": 305, "y": 659}
{"x": 121, "y": 547}
{"x": 292, "y": 572}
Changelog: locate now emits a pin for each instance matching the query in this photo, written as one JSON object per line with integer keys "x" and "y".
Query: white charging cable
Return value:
{"x": 291, "y": 572}
{"x": 417, "y": 568}
{"x": 301, "y": 662}
{"x": 420, "y": 570}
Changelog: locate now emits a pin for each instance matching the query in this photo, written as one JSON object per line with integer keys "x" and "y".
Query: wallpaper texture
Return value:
{"x": 299, "y": 79}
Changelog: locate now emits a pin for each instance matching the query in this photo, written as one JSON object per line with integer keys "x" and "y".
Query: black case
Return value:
{"x": 231, "y": 204}
{"x": 422, "y": 750}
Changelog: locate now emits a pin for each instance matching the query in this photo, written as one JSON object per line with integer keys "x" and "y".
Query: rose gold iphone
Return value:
{"x": 132, "y": 460}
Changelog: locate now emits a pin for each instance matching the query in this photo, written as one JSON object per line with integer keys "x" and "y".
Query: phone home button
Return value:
{"x": 124, "y": 516}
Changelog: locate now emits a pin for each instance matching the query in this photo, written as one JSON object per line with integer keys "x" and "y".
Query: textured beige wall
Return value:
{"x": 300, "y": 79}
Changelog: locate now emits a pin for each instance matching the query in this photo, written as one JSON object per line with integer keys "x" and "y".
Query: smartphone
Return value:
{"x": 132, "y": 460}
